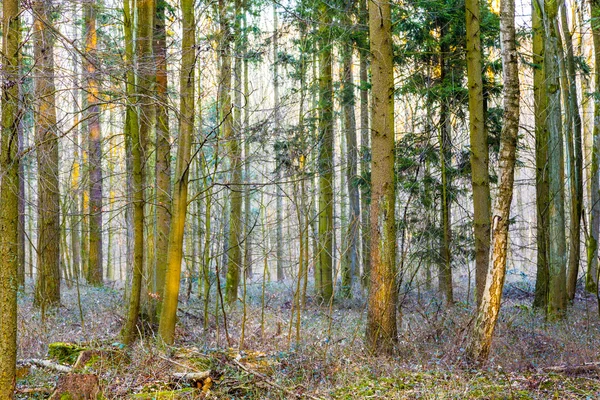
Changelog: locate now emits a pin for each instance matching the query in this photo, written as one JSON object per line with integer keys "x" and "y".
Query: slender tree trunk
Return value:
{"x": 348, "y": 104}
{"x": 576, "y": 161}
{"x": 247, "y": 158}
{"x": 479, "y": 148}
{"x": 325, "y": 282}
{"x": 480, "y": 344}
{"x": 556, "y": 216}
{"x": 381, "y": 330}
{"x": 592, "y": 245}
{"x": 139, "y": 135}
{"x": 180, "y": 193}
{"x": 92, "y": 115}
{"x": 234, "y": 259}
{"x": 365, "y": 157}
{"x": 445, "y": 142}
{"x": 445, "y": 268}
{"x": 541, "y": 158}
{"x": 163, "y": 152}
{"x": 47, "y": 288}
{"x": 278, "y": 150}
{"x": 9, "y": 192}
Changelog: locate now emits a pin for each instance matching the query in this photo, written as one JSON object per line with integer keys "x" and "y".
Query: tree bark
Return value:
{"x": 348, "y": 104}
{"x": 576, "y": 159}
{"x": 541, "y": 158}
{"x": 381, "y": 330}
{"x": 556, "y": 215}
{"x": 47, "y": 288}
{"x": 480, "y": 178}
{"x": 139, "y": 135}
{"x": 231, "y": 132}
{"x": 324, "y": 283}
{"x": 9, "y": 191}
{"x": 180, "y": 193}
{"x": 163, "y": 152}
{"x": 592, "y": 245}
{"x": 92, "y": 115}
{"x": 481, "y": 340}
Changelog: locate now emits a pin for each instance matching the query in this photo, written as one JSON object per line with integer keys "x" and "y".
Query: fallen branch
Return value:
{"x": 43, "y": 390}
{"x": 574, "y": 369}
{"x": 275, "y": 385}
{"x": 191, "y": 376}
{"x": 46, "y": 364}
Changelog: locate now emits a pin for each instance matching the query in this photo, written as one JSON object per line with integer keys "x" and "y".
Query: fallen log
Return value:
{"x": 46, "y": 364}
{"x": 574, "y": 369}
{"x": 191, "y": 376}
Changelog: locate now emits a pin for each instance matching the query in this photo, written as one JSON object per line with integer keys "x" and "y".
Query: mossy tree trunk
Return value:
{"x": 480, "y": 178}
{"x": 324, "y": 283}
{"x": 163, "y": 152}
{"x": 541, "y": 159}
{"x": 236, "y": 220}
{"x": 556, "y": 214}
{"x": 180, "y": 192}
{"x": 9, "y": 191}
{"x": 139, "y": 135}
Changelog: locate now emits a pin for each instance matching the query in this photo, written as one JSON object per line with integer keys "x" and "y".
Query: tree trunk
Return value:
{"x": 324, "y": 289}
{"x": 575, "y": 160}
{"x": 47, "y": 288}
{"x": 348, "y": 104}
{"x": 163, "y": 153}
{"x": 180, "y": 194}
{"x": 445, "y": 143}
{"x": 365, "y": 157}
{"x": 9, "y": 192}
{"x": 556, "y": 216}
{"x": 541, "y": 159}
{"x": 480, "y": 178}
{"x": 479, "y": 347}
{"x": 139, "y": 135}
{"x": 92, "y": 115}
{"x": 232, "y": 135}
{"x": 381, "y": 330}
{"x": 592, "y": 245}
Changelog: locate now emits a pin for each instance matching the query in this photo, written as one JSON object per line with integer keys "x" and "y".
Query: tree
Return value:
{"x": 180, "y": 193}
{"x": 574, "y": 145}
{"x": 92, "y": 115}
{"x": 381, "y": 331}
{"x": 556, "y": 215}
{"x": 9, "y": 191}
{"x": 163, "y": 151}
{"x": 480, "y": 178}
{"x": 324, "y": 273}
{"x": 139, "y": 137}
{"x": 481, "y": 339}
{"x": 351, "y": 261}
{"x": 541, "y": 158}
{"x": 592, "y": 245}
{"x": 235, "y": 156}
{"x": 364, "y": 141}
{"x": 47, "y": 291}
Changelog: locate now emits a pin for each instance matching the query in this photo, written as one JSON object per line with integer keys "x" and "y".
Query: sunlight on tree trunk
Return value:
{"x": 478, "y": 349}
{"x": 381, "y": 330}
{"x": 168, "y": 315}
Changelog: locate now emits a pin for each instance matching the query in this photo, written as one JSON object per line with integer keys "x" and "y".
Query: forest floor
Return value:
{"x": 531, "y": 359}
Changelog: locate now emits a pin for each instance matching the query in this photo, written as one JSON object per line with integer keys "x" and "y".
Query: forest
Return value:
{"x": 281, "y": 199}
